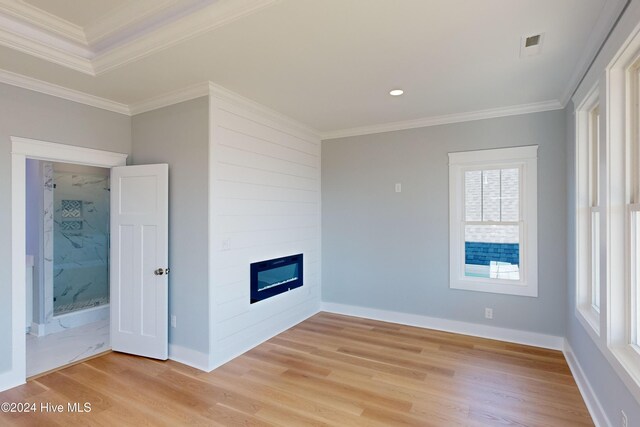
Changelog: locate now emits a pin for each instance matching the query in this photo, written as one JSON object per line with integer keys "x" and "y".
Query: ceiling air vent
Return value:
{"x": 532, "y": 41}
{"x": 531, "y": 45}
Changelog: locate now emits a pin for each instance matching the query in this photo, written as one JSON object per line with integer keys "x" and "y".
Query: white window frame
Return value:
{"x": 620, "y": 128}
{"x": 632, "y": 199}
{"x": 622, "y": 205}
{"x": 526, "y": 160}
{"x": 590, "y": 147}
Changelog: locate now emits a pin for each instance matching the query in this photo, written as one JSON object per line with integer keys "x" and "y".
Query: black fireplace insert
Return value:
{"x": 275, "y": 276}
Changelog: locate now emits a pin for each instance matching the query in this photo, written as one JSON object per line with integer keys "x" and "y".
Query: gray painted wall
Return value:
{"x": 33, "y": 115}
{"x": 387, "y": 250}
{"x": 179, "y": 135}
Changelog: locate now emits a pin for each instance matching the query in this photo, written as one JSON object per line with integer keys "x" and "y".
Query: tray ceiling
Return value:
{"x": 329, "y": 64}
{"x": 78, "y": 12}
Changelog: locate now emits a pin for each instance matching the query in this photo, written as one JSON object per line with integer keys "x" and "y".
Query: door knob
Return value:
{"x": 159, "y": 272}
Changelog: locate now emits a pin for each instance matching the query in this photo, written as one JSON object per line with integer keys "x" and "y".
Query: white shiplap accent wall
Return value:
{"x": 265, "y": 203}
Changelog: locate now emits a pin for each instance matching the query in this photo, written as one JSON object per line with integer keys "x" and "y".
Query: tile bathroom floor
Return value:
{"x": 69, "y": 346}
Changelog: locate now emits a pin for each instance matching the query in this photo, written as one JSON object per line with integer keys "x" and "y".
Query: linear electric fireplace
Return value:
{"x": 275, "y": 276}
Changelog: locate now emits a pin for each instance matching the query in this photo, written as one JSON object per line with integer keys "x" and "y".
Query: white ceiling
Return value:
{"x": 330, "y": 64}
{"x": 78, "y": 12}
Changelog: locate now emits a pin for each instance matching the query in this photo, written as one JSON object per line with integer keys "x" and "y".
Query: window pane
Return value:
{"x": 492, "y": 251}
{"x": 595, "y": 260}
{"x": 635, "y": 146}
{"x": 510, "y": 194}
{"x": 594, "y": 155}
{"x": 473, "y": 195}
{"x": 491, "y": 195}
{"x": 635, "y": 269}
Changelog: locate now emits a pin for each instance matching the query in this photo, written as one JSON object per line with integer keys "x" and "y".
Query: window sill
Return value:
{"x": 628, "y": 362}
{"x": 495, "y": 287}
{"x": 624, "y": 360}
{"x": 590, "y": 319}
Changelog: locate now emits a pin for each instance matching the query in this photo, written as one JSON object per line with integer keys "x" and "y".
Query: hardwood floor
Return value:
{"x": 329, "y": 370}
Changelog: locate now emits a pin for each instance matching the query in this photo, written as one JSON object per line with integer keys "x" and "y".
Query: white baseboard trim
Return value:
{"x": 37, "y": 329}
{"x": 483, "y": 331}
{"x": 190, "y": 357}
{"x": 219, "y": 359}
{"x": 10, "y": 379}
{"x": 590, "y": 399}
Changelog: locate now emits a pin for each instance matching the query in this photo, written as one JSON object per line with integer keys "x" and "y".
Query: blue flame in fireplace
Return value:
{"x": 277, "y": 276}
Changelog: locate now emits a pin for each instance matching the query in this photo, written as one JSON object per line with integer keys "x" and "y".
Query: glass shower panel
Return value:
{"x": 80, "y": 241}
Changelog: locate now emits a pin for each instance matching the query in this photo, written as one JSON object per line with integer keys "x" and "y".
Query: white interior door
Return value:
{"x": 139, "y": 260}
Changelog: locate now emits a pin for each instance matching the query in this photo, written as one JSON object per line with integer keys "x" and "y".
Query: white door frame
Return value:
{"x": 21, "y": 150}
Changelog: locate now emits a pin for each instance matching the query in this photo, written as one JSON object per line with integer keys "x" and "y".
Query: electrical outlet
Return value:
{"x": 488, "y": 313}
{"x": 174, "y": 321}
{"x": 226, "y": 244}
{"x": 398, "y": 188}
{"x": 625, "y": 420}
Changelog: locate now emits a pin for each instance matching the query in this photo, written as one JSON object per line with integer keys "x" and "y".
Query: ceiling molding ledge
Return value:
{"x": 446, "y": 119}
{"x": 22, "y": 37}
{"x": 157, "y": 25}
{"x": 145, "y": 43}
{"x": 606, "y": 20}
{"x": 211, "y": 89}
{"x": 38, "y": 18}
{"x": 46, "y": 88}
{"x": 174, "y": 97}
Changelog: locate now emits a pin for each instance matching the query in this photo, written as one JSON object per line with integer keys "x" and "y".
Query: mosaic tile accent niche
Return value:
{"x": 71, "y": 225}
{"x": 71, "y": 209}
{"x": 81, "y": 241}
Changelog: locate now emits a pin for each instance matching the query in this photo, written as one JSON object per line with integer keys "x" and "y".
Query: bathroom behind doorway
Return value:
{"x": 67, "y": 225}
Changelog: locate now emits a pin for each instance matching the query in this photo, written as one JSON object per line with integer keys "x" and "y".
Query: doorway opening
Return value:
{"x": 21, "y": 150}
{"x": 67, "y": 232}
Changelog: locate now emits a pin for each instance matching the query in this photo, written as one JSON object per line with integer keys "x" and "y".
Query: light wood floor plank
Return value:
{"x": 330, "y": 370}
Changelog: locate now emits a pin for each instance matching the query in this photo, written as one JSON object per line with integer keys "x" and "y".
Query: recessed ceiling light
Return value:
{"x": 396, "y": 92}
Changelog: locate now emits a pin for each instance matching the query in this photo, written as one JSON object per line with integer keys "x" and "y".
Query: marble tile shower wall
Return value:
{"x": 47, "y": 173}
{"x": 80, "y": 241}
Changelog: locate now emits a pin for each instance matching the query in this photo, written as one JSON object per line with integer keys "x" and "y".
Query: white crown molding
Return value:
{"x": 146, "y": 43}
{"x": 211, "y": 89}
{"x": 186, "y": 94}
{"x": 174, "y": 97}
{"x": 446, "y": 119}
{"x": 45, "y": 51}
{"x": 38, "y": 18}
{"x": 304, "y": 131}
{"x": 607, "y": 18}
{"x": 29, "y": 83}
{"x": 141, "y": 29}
